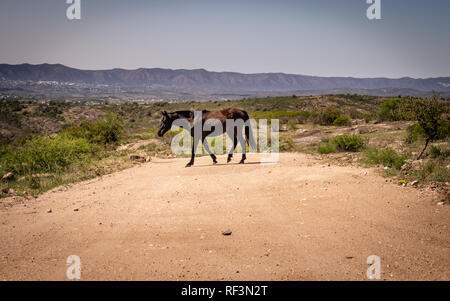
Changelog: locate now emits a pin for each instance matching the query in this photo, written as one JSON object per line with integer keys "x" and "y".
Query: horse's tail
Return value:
{"x": 250, "y": 139}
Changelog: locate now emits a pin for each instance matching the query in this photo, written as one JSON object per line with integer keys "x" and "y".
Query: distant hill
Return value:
{"x": 200, "y": 78}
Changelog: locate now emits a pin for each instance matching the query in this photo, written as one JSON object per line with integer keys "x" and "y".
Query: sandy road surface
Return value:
{"x": 296, "y": 220}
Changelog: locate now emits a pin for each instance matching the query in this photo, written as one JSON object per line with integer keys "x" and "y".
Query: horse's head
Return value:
{"x": 166, "y": 123}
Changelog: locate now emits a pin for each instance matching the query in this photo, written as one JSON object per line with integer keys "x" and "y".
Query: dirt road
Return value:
{"x": 299, "y": 219}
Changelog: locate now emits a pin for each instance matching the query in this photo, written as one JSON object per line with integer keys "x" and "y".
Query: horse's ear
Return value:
{"x": 164, "y": 113}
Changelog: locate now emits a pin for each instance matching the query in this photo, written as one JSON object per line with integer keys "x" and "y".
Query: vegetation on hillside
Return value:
{"x": 49, "y": 144}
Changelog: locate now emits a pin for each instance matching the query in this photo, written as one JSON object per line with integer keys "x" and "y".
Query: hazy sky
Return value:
{"x": 312, "y": 37}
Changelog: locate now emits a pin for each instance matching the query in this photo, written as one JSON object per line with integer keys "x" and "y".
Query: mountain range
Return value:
{"x": 200, "y": 78}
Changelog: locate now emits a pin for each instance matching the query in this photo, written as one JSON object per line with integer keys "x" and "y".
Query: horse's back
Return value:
{"x": 234, "y": 113}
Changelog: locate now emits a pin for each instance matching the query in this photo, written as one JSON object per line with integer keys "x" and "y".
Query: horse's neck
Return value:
{"x": 189, "y": 119}
{"x": 179, "y": 116}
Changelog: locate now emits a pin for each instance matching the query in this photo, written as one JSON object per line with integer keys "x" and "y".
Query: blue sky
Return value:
{"x": 312, "y": 37}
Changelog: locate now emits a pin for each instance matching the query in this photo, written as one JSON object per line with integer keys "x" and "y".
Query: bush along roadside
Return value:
{"x": 341, "y": 143}
{"x": 43, "y": 162}
{"x": 433, "y": 168}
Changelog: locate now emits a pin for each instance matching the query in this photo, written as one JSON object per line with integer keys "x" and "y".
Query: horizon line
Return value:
{"x": 235, "y": 72}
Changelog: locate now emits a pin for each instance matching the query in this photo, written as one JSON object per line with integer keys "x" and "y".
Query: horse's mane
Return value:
{"x": 185, "y": 114}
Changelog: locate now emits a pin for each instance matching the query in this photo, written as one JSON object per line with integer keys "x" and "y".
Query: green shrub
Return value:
{"x": 355, "y": 114}
{"x": 414, "y": 132}
{"x": 3, "y": 150}
{"x": 287, "y": 144}
{"x": 33, "y": 182}
{"x": 302, "y": 116}
{"x": 342, "y": 120}
{"x": 280, "y": 114}
{"x": 349, "y": 143}
{"x": 342, "y": 143}
{"x": 437, "y": 153}
{"x": 368, "y": 118}
{"x": 389, "y": 110}
{"x": 433, "y": 172}
{"x": 105, "y": 131}
{"x": 386, "y": 156}
{"x": 292, "y": 124}
{"x": 326, "y": 148}
{"x": 45, "y": 154}
{"x": 443, "y": 129}
{"x": 325, "y": 116}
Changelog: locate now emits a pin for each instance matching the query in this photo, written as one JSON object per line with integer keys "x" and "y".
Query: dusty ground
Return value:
{"x": 299, "y": 219}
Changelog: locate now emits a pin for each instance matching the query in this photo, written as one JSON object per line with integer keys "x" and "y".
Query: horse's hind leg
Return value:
{"x": 244, "y": 156}
{"x": 230, "y": 154}
{"x": 205, "y": 144}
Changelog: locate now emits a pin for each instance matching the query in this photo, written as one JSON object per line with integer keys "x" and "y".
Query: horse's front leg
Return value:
{"x": 244, "y": 157}
{"x": 194, "y": 148}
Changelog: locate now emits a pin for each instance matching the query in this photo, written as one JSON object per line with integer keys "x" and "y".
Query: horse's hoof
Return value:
{"x": 214, "y": 162}
{"x": 241, "y": 162}
{"x": 188, "y": 165}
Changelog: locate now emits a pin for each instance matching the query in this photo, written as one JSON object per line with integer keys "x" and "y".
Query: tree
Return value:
{"x": 428, "y": 113}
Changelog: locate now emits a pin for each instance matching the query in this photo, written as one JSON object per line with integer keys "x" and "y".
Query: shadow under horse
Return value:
{"x": 214, "y": 118}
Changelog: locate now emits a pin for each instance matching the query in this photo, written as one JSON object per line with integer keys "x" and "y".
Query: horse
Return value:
{"x": 219, "y": 116}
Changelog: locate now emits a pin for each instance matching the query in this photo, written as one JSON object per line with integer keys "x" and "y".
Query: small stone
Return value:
{"x": 49, "y": 210}
{"x": 42, "y": 175}
{"x": 227, "y": 232}
{"x": 414, "y": 183}
{"x": 8, "y": 177}
{"x": 137, "y": 158}
{"x": 440, "y": 203}
{"x": 76, "y": 209}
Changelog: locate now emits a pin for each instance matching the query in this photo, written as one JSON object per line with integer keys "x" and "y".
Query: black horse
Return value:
{"x": 220, "y": 116}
